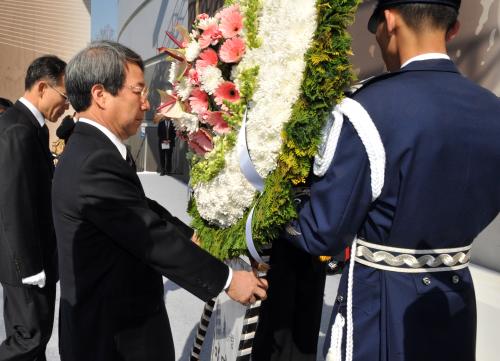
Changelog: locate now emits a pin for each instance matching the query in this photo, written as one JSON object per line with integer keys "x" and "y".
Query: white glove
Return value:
{"x": 36, "y": 280}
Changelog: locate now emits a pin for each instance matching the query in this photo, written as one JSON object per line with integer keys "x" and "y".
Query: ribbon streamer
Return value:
{"x": 246, "y": 165}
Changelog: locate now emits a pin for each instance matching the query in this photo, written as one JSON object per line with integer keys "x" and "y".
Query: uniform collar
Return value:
{"x": 114, "y": 139}
{"x": 426, "y": 56}
{"x": 34, "y": 110}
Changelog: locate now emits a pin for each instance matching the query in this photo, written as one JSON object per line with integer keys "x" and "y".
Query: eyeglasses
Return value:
{"x": 66, "y": 100}
{"x": 143, "y": 91}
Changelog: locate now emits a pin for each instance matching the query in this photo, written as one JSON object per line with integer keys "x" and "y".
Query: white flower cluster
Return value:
{"x": 286, "y": 29}
{"x": 211, "y": 78}
{"x": 183, "y": 89}
{"x": 172, "y": 72}
{"x": 193, "y": 50}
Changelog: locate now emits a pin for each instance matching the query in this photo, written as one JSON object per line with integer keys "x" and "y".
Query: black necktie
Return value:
{"x": 130, "y": 161}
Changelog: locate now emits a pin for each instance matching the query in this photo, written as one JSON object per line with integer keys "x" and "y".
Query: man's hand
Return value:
{"x": 246, "y": 288}
{"x": 195, "y": 239}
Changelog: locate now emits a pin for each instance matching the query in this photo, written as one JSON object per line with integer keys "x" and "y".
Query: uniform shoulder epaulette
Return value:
{"x": 372, "y": 80}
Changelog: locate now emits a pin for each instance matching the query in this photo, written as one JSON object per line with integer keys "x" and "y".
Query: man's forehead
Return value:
{"x": 134, "y": 72}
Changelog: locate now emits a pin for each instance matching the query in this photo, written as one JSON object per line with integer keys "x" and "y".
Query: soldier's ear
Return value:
{"x": 453, "y": 31}
{"x": 390, "y": 20}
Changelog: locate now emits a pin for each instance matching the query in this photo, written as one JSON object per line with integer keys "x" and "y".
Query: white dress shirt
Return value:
{"x": 426, "y": 56}
{"x": 38, "y": 115}
{"x": 123, "y": 151}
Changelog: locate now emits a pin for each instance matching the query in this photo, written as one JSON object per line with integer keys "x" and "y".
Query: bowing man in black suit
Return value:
{"x": 114, "y": 242}
{"x": 28, "y": 256}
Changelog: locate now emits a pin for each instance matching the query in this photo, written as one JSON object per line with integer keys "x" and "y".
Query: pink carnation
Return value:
{"x": 210, "y": 36}
{"x": 207, "y": 58}
{"x": 194, "y": 77}
{"x": 232, "y": 50}
{"x": 202, "y": 16}
{"x": 198, "y": 101}
{"x": 231, "y": 24}
{"x": 226, "y": 11}
{"x": 227, "y": 91}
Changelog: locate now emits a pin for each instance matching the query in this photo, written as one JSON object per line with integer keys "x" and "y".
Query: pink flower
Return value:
{"x": 231, "y": 24}
{"x": 207, "y": 58}
{"x": 193, "y": 77}
{"x": 227, "y": 91}
{"x": 202, "y": 16}
{"x": 210, "y": 36}
{"x": 198, "y": 101}
{"x": 216, "y": 120}
{"x": 232, "y": 50}
{"x": 226, "y": 11}
{"x": 201, "y": 141}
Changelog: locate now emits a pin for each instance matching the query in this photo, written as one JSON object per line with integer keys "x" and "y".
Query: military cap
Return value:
{"x": 386, "y": 4}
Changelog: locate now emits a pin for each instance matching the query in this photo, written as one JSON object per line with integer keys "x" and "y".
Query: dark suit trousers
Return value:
{"x": 166, "y": 160}
{"x": 29, "y": 318}
{"x": 290, "y": 318}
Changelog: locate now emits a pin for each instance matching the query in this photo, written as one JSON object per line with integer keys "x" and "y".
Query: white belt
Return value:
{"x": 407, "y": 260}
{"x": 390, "y": 259}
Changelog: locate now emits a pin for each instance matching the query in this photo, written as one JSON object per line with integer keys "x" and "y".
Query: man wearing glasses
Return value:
{"x": 114, "y": 243}
{"x": 28, "y": 254}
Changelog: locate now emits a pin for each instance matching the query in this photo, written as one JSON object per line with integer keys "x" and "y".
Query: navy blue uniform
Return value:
{"x": 441, "y": 134}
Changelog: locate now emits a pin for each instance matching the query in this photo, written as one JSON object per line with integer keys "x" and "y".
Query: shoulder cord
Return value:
{"x": 370, "y": 137}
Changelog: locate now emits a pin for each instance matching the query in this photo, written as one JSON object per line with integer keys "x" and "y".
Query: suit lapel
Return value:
{"x": 105, "y": 142}
{"x": 42, "y": 133}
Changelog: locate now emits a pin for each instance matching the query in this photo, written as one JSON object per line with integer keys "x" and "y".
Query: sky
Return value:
{"x": 104, "y": 16}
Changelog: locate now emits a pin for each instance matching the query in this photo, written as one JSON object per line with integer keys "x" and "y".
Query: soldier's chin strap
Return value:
{"x": 364, "y": 126}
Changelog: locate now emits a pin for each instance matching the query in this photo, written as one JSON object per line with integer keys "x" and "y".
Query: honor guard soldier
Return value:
{"x": 408, "y": 177}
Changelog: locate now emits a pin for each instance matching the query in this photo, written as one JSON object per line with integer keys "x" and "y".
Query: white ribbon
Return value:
{"x": 246, "y": 165}
{"x": 249, "y": 239}
{"x": 253, "y": 177}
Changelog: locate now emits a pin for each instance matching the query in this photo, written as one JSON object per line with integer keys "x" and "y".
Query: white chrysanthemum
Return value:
{"x": 211, "y": 78}
{"x": 172, "y": 75}
{"x": 193, "y": 50}
{"x": 286, "y": 28}
{"x": 194, "y": 34}
{"x": 184, "y": 89}
{"x": 223, "y": 200}
{"x": 189, "y": 122}
{"x": 203, "y": 24}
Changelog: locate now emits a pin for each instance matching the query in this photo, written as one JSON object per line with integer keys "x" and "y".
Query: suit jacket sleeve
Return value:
{"x": 20, "y": 158}
{"x": 168, "y": 217}
{"x": 339, "y": 201}
{"x": 112, "y": 200}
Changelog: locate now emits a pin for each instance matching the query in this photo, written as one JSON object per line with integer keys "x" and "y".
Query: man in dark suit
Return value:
{"x": 166, "y": 144}
{"x": 115, "y": 243}
{"x": 413, "y": 180}
{"x": 28, "y": 257}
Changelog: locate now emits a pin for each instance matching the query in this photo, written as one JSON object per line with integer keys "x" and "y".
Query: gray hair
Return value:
{"x": 101, "y": 62}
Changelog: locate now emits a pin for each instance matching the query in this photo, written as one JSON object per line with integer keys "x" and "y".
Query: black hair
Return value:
{"x": 47, "y": 67}
{"x": 417, "y": 16}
